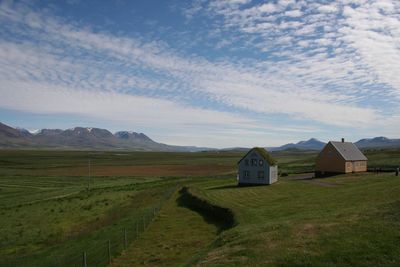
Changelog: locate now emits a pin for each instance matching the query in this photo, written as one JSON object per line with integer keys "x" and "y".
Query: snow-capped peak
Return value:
{"x": 34, "y": 131}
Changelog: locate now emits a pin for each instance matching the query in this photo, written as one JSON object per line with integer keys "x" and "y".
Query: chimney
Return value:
{"x": 342, "y": 140}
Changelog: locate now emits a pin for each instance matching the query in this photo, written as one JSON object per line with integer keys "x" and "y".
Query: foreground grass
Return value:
{"x": 48, "y": 217}
{"x": 57, "y": 231}
{"x": 47, "y": 213}
{"x": 355, "y": 222}
{"x": 348, "y": 220}
{"x": 173, "y": 238}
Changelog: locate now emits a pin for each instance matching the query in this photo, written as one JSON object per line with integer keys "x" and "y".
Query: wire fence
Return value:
{"x": 99, "y": 253}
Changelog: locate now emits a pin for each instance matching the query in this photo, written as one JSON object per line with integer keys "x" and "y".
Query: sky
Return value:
{"x": 213, "y": 73}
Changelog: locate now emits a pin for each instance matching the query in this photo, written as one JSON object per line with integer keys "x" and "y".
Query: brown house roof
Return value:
{"x": 264, "y": 153}
{"x": 348, "y": 151}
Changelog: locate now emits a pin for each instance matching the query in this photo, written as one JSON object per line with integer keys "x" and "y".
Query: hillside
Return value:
{"x": 309, "y": 222}
{"x": 299, "y": 223}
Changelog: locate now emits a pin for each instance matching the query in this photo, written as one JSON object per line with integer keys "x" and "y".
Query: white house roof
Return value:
{"x": 348, "y": 151}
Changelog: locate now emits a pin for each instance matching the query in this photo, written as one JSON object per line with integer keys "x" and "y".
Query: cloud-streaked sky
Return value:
{"x": 205, "y": 72}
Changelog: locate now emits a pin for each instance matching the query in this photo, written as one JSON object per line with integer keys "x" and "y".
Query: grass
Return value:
{"x": 175, "y": 236}
{"x": 385, "y": 159}
{"x": 56, "y": 228}
{"x": 48, "y": 217}
{"x": 299, "y": 223}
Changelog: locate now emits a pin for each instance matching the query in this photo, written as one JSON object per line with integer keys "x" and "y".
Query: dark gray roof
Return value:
{"x": 348, "y": 151}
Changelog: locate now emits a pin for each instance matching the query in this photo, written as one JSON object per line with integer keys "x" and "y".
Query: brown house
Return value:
{"x": 340, "y": 157}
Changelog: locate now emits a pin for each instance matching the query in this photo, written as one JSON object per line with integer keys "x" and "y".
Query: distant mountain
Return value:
{"x": 24, "y": 132}
{"x": 11, "y": 137}
{"x": 311, "y": 144}
{"x": 314, "y": 144}
{"x": 84, "y": 138}
{"x": 378, "y": 142}
{"x": 235, "y": 149}
{"x": 7, "y": 131}
{"x": 80, "y": 138}
{"x": 132, "y": 136}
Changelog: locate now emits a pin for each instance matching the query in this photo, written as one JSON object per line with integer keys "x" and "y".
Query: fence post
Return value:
{"x": 109, "y": 252}
{"x": 84, "y": 259}
{"x": 137, "y": 229}
{"x": 125, "y": 239}
{"x": 144, "y": 223}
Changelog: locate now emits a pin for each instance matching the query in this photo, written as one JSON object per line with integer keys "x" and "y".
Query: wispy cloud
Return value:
{"x": 341, "y": 53}
{"x": 318, "y": 63}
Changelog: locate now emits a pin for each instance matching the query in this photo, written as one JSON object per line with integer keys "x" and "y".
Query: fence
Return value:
{"x": 98, "y": 254}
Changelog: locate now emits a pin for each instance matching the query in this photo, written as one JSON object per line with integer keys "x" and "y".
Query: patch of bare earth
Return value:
{"x": 309, "y": 178}
{"x": 321, "y": 183}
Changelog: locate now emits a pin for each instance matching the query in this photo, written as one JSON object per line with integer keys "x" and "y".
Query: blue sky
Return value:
{"x": 205, "y": 72}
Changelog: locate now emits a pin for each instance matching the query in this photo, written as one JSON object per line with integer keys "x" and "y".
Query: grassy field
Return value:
{"x": 174, "y": 238}
{"x": 342, "y": 221}
{"x": 49, "y": 217}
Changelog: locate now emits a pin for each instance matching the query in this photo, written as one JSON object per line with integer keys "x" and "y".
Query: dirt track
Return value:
{"x": 309, "y": 178}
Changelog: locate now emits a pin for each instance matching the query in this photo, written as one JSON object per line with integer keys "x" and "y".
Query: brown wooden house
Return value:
{"x": 340, "y": 157}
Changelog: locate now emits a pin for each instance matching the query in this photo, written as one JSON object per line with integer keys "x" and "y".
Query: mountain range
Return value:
{"x": 311, "y": 144}
{"x": 101, "y": 139}
{"x": 314, "y": 144}
{"x": 84, "y": 138}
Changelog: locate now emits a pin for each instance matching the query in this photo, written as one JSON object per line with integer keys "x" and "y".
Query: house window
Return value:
{"x": 260, "y": 162}
{"x": 246, "y": 162}
{"x": 253, "y": 162}
{"x": 246, "y": 174}
{"x": 260, "y": 175}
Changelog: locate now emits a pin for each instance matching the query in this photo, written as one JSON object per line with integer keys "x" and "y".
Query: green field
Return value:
{"x": 51, "y": 211}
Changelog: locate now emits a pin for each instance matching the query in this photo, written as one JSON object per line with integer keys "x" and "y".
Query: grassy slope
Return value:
{"x": 302, "y": 223}
{"x": 47, "y": 213}
{"x": 67, "y": 226}
{"x": 46, "y": 216}
{"x": 172, "y": 239}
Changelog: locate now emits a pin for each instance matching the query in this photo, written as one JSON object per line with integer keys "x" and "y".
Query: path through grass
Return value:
{"x": 173, "y": 238}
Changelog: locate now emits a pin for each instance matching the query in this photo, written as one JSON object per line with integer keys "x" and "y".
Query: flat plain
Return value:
{"x": 56, "y": 209}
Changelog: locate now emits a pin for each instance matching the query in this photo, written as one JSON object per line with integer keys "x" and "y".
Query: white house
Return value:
{"x": 257, "y": 167}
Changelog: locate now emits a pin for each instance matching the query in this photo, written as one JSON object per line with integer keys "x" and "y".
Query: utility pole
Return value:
{"x": 109, "y": 252}
{"x": 125, "y": 239}
{"x": 84, "y": 259}
{"x": 89, "y": 175}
